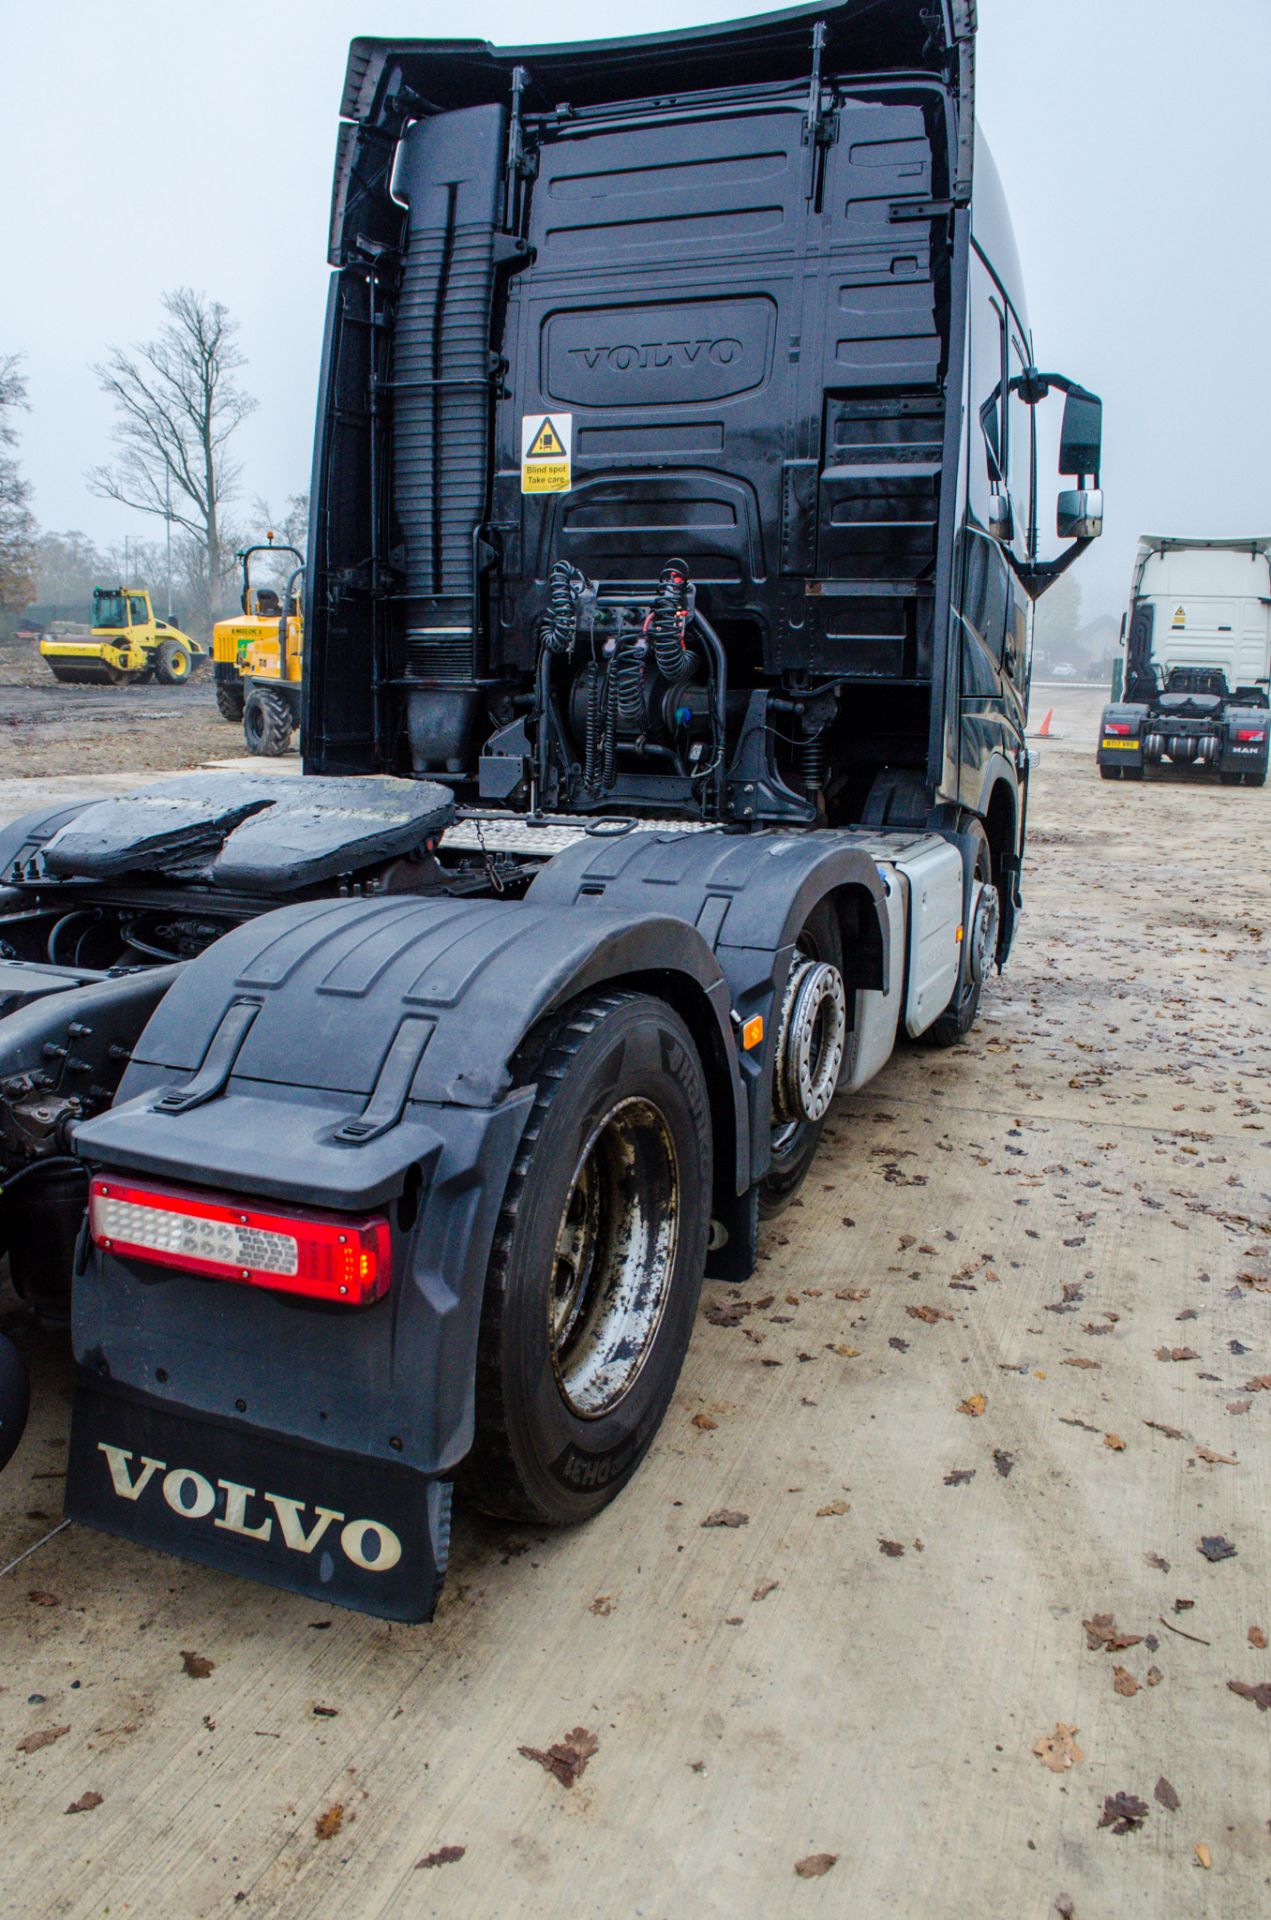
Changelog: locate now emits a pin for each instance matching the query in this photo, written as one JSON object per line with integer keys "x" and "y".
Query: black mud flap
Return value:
{"x": 338, "y": 1527}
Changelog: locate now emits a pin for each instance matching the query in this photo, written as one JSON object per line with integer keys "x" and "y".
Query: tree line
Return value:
{"x": 178, "y": 403}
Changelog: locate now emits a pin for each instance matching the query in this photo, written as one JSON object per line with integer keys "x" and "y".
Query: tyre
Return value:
{"x": 795, "y": 1141}
{"x": 1258, "y": 779}
{"x": 1110, "y": 773}
{"x": 1131, "y": 773}
{"x": 15, "y": 1398}
{"x": 172, "y": 664}
{"x": 597, "y": 1263}
{"x": 266, "y": 723}
{"x": 230, "y": 699}
{"x": 962, "y": 1011}
{"x": 1231, "y": 779}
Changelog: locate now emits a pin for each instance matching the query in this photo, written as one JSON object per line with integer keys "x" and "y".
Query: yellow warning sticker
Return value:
{"x": 546, "y": 452}
{"x": 1180, "y": 617}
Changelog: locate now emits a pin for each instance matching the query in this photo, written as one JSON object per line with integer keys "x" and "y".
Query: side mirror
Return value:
{"x": 1080, "y": 513}
{"x": 1001, "y": 519}
{"x": 1081, "y": 435}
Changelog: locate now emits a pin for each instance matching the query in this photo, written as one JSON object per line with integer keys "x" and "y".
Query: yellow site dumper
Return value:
{"x": 255, "y": 627}
{"x": 128, "y": 642}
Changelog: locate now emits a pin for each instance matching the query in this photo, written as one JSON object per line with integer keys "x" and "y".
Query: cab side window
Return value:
{"x": 987, "y": 410}
{"x": 137, "y": 612}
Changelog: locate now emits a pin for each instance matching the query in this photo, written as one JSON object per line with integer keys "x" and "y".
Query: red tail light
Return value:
{"x": 324, "y": 1256}
{"x": 1117, "y": 726}
{"x": 1251, "y": 733}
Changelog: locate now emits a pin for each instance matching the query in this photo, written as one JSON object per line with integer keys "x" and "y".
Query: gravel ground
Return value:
{"x": 993, "y": 1419}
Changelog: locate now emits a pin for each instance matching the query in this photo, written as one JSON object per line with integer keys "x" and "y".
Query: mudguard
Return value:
{"x": 1122, "y": 749}
{"x": 355, "y": 1054}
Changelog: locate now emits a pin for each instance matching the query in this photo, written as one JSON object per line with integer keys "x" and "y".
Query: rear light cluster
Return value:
{"x": 324, "y": 1256}
{"x": 1117, "y": 726}
{"x": 1251, "y": 733}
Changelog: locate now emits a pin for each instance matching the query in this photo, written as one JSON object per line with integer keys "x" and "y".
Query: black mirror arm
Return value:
{"x": 1041, "y": 574}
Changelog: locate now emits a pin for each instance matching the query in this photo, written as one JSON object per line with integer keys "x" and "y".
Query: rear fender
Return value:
{"x": 1122, "y": 749}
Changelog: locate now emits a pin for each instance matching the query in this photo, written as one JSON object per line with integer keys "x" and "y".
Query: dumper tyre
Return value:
{"x": 267, "y": 723}
{"x": 172, "y": 664}
{"x": 963, "y": 1010}
{"x": 230, "y": 700}
{"x": 597, "y": 1263}
{"x": 794, "y": 1143}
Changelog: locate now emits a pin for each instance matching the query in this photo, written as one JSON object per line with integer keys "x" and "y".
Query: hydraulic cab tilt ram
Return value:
{"x": 674, "y": 538}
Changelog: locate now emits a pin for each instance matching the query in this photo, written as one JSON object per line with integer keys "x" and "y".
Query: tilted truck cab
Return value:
{"x": 675, "y": 531}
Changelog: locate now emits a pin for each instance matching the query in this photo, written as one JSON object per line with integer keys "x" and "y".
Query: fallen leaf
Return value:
{"x": 1257, "y": 1638}
{"x": 929, "y": 1315}
{"x": 601, "y": 1605}
{"x": 853, "y": 1293}
{"x": 1080, "y": 1361}
{"x": 40, "y": 1599}
{"x": 764, "y": 1588}
{"x": 1214, "y": 1547}
{"x": 1166, "y": 1795}
{"x": 1177, "y": 1353}
{"x": 567, "y": 1758}
{"x": 1124, "y": 1812}
{"x": 834, "y": 1507}
{"x": 1260, "y": 1695}
{"x": 1203, "y": 1854}
{"x": 1156, "y": 1560}
{"x": 327, "y": 1713}
{"x": 704, "y": 1421}
{"x": 1217, "y": 1459}
{"x": 1171, "y": 1433}
{"x": 328, "y": 1824}
{"x": 1261, "y": 1383}
{"x": 892, "y": 1548}
{"x": 1154, "y": 1676}
{"x": 845, "y": 1353}
{"x": 32, "y": 1742}
{"x": 1003, "y": 1461}
{"x": 1059, "y": 1750}
{"x": 1115, "y": 1442}
{"x": 196, "y": 1666}
{"x": 813, "y": 1865}
{"x": 85, "y": 1803}
{"x": 959, "y": 1476}
{"x": 1101, "y": 1632}
{"x": 728, "y": 1313}
{"x": 726, "y": 1517}
{"x": 974, "y": 1404}
{"x": 1124, "y": 1683}
{"x": 443, "y": 1857}
{"x": 1239, "y": 1406}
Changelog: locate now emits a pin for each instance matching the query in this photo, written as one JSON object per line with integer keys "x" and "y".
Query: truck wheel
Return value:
{"x": 597, "y": 1264}
{"x": 1258, "y": 779}
{"x": 230, "y": 699}
{"x": 963, "y": 1010}
{"x": 266, "y": 723}
{"x": 795, "y": 1140}
{"x": 1231, "y": 779}
{"x": 1131, "y": 773}
{"x": 172, "y": 664}
{"x": 15, "y": 1398}
{"x": 1110, "y": 773}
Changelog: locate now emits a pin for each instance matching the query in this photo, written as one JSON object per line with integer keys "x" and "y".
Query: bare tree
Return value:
{"x": 17, "y": 523}
{"x": 177, "y": 406}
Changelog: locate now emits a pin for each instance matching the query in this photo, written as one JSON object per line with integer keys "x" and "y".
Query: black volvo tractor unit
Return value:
{"x": 675, "y": 532}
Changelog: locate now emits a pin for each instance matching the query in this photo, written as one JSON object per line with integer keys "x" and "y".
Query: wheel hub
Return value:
{"x": 984, "y": 931}
{"x": 811, "y": 1041}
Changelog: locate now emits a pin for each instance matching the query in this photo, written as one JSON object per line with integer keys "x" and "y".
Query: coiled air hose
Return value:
{"x": 667, "y": 621}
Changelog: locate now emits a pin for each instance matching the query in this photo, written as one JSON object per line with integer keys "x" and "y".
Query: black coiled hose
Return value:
{"x": 559, "y": 627}
{"x": 593, "y": 730}
{"x": 667, "y": 621}
{"x": 629, "y": 669}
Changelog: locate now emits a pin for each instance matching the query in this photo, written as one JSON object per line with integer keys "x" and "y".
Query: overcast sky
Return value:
{"x": 146, "y": 144}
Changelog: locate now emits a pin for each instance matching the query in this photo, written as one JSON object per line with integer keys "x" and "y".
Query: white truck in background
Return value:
{"x": 1197, "y": 671}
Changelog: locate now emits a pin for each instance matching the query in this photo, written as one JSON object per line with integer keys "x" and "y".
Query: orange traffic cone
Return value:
{"x": 1043, "y": 732}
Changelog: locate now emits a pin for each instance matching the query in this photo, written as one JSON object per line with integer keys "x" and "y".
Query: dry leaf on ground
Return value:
{"x": 704, "y": 1421}
{"x": 1167, "y": 1795}
{"x": 959, "y": 1476}
{"x": 32, "y": 1742}
{"x": 443, "y": 1857}
{"x": 196, "y": 1666}
{"x": 929, "y": 1315}
{"x": 1114, "y": 1442}
{"x": 1257, "y": 1638}
{"x": 602, "y": 1605}
{"x": 1124, "y": 1682}
{"x": 1260, "y": 1695}
{"x": 1215, "y": 1547}
{"x": 834, "y": 1507}
{"x": 892, "y": 1548}
{"x": 726, "y": 1517}
{"x": 1080, "y": 1361}
{"x": 85, "y": 1803}
{"x": 1101, "y": 1631}
{"x": 764, "y": 1588}
{"x": 1124, "y": 1812}
{"x": 1154, "y": 1676}
{"x": 813, "y": 1865}
{"x": 1203, "y": 1855}
{"x": 40, "y": 1599}
{"x": 1059, "y": 1750}
{"x": 1177, "y": 1353}
{"x": 974, "y": 1404}
{"x": 567, "y": 1758}
{"x": 328, "y": 1824}
{"x": 1217, "y": 1459}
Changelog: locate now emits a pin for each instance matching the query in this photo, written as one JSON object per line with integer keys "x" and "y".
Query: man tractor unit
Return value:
{"x": 128, "y": 641}
{"x": 1197, "y": 665}
{"x": 674, "y": 535}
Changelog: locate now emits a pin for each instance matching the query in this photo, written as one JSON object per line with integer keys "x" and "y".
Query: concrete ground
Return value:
{"x": 1002, "y": 1370}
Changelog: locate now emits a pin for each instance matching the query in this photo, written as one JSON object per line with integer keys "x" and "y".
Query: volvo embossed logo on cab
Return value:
{"x": 655, "y": 356}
